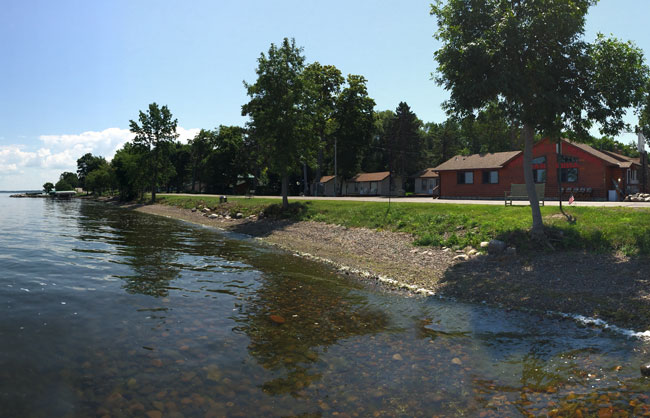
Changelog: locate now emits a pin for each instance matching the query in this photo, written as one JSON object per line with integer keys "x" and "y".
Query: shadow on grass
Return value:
{"x": 275, "y": 218}
{"x": 592, "y": 284}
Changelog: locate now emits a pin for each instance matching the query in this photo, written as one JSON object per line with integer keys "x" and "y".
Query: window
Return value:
{"x": 491, "y": 177}
{"x": 568, "y": 175}
{"x": 465, "y": 177}
{"x": 540, "y": 160}
{"x": 539, "y": 175}
{"x": 567, "y": 159}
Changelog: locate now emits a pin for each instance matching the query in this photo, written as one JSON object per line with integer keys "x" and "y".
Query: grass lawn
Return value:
{"x": 597, "y": 229}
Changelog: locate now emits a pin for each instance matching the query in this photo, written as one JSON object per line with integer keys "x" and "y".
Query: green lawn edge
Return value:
{"x": 597, "y": 229}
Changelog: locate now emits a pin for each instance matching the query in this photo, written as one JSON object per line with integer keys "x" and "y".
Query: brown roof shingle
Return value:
{"x": 607, "y": 156}
{"x": 325, "y": 179}
{"x": 427, "y": 174}
{"x": 477, "y": 161}
{"x": 370, "y": 176}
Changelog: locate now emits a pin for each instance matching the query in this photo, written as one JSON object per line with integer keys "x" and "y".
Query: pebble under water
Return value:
{"x": 110, "y": 312}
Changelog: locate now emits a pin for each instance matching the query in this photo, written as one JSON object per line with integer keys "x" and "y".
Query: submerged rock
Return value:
{"x": 645, "y": 370}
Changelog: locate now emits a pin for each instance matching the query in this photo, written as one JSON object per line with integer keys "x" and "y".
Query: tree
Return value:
{"x": 129, "y": 170}
{"x": 62, "y": 185}
{"x": 181, "y": 160}
{"x": 156, "y": 131}
{"x": 200, "y": 148}
{"x": 442, "y": 140}
{"x": 529, "y": 58}
{"x": 100, "y": 179}
{"x": 355, "y": 120}
{"x": 279, "y": 121}
{"x": 70, "y": 179}
{"x": 403, "y": 141}
{"x": 323, "y": 86}
{"x": 230, "y": 158}
{"x": 86, "y": 164}
{"x": 47, "y": 187}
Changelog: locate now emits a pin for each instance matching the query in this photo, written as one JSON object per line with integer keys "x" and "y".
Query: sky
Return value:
{"x": 73, "y": 73}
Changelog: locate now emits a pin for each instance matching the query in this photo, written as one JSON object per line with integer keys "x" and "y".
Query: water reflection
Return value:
{"x": 294, "y": 317}
{"x": 133, "y": 315}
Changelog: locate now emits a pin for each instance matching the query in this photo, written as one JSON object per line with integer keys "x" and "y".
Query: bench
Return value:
{"x": 518, "y": 191}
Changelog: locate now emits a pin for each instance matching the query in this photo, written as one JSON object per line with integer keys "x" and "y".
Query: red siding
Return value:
{"x": 592, "y": 172}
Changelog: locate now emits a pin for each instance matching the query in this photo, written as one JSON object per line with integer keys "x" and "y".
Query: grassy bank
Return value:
{"x": 597, "y": 229}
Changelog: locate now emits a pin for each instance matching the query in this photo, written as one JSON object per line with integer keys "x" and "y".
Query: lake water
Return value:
{"x": 109, "y": 312}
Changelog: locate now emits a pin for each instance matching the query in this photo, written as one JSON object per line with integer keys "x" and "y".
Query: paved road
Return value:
{"x": 437, "y": 201}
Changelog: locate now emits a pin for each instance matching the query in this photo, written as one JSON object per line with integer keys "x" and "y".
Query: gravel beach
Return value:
{"x": 606, "y": 286}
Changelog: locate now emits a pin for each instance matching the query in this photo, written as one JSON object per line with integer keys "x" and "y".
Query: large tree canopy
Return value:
{"x": 529, "y": 57}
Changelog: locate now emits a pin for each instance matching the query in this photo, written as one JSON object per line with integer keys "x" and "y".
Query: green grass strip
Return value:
{"x": 598, "y": 229}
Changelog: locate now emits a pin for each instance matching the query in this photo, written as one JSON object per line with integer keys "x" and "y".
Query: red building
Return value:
{"x": 586, "y": 172}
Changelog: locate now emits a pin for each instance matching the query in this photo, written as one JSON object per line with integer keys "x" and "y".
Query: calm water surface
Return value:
{"x": 107, "y": 312}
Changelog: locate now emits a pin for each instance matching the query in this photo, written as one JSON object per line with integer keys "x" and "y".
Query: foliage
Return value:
{"x": 180, "y": 159}
{"x": 63, "y": 185}
{"x": 47, "y": 187}
{"x": 100, "y": 179}
{"x": 128, "y": 166}
{"x": 403, "y": 141}
{"x": 155, "y": 132}
{"x": 69, "y": 179}
{"x": 529, "y": 58}
{"x": 86, "y": 164}
{"x": 279, "y": 118}
{"x": 354, "y": 125}
{"x": 230, "y": 159}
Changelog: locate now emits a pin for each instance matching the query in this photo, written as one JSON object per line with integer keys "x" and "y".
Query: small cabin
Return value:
{"x": 374, "y": 184}
{"x": 427, "y": 182}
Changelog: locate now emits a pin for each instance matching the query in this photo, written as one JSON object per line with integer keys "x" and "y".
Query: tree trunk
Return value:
{"x": 154, "y": 178}
{"x": 537, "y": 231}
{"x": 285, "y": 191}
{"x": 319, "y": 164}
{"x": 305, "y": 185}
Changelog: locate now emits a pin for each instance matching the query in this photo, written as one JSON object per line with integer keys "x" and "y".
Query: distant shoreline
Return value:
{"x": 600, "y": 286}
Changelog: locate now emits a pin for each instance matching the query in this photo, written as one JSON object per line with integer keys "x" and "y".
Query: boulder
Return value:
{"x": 239, "y": 215}
{"x": 193, "y": 209}
{"x": 484, "y": 244}
{"x": 461, "y": 257}
{"x": 645, "y": 370}
{"x": 206, "y": 210}
{"x": 496, "y": 247}
{"x": 213, "y": 216}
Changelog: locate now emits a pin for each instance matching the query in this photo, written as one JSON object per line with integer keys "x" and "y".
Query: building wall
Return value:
{"x": 592, "y": 172}
{"x": 382, "y": 188}
{"x": 421, "y": 189}
{"x": 328, "y": 188}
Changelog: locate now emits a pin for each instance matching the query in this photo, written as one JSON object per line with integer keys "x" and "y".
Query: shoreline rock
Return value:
{"x": 607, "y": 286}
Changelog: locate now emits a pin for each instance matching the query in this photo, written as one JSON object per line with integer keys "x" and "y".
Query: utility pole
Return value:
{"x": 643, "y": 160}
{"x": 336, "y": 177}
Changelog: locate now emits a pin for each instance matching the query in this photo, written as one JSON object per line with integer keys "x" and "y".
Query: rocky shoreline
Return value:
{"x": 610, "y": 287}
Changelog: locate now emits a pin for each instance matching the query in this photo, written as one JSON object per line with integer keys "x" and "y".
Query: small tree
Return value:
{"x": 530, "y": 59}
{"x": 156, "y": 131}
{"x": 62, "y": 185}
{"x": 47, "y": 187}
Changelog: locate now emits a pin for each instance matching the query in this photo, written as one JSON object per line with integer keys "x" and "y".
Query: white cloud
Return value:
{"x": 24, "y": 168}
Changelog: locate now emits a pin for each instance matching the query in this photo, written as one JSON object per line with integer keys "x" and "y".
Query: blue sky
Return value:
{"x": 74, "y": 72}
